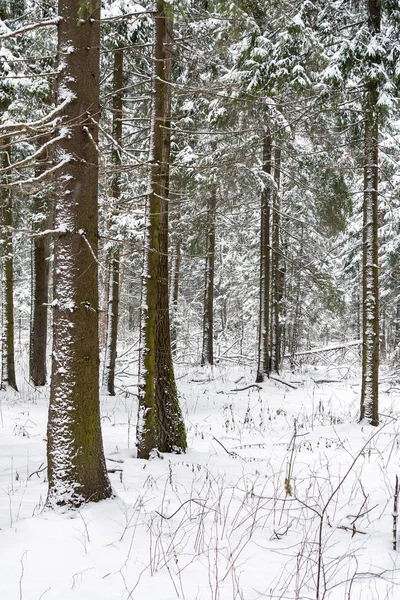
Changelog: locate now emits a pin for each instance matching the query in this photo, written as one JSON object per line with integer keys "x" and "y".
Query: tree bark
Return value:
{"x": 263, "y": 366}
{"x": 175, "y": 275}
{"x": 397, "y": 319}
{"x": 277, "y": 269}
{"x": 114, "y": 276}
{"x": 294, "y": 340}
{"x": 160, "y": 423}
{"x": 175, "y": 293}
{"x": 7, "y": 336}
{"x": 370, "y": 319}
{"x": 76, "y": 464}
{"x": 207, "y": 354}
{"x": 40, "y": 283}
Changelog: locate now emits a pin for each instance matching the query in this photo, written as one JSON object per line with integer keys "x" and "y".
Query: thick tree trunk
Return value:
{"x": 76, "y": 464}
{"x": 160, "y": 423}
{"x": 40, "y": 284}
{"x": 114, "y": 275}
{"x": 7, "y": 335}
{"x": 370, "y": 319}
{"x": 207, "y": 354}
{"x": 171, "y": 429}
{"x": 263, "y": 366}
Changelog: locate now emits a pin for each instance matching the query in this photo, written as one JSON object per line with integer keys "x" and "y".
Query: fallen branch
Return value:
{"x": 284, "y": 382}
{"x": 344, "y": 346}
{"x": 352, "y": 529}
{"x": 247, "y": 388}
{"x": 318, "y": 381}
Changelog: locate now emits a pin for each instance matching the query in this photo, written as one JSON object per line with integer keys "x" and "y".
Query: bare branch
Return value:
{"x": 30, "y": 27}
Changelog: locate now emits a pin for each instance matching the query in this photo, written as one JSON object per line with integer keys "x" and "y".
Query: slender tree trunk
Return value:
{"x": 105, "y": 284}
{"x": 263, "y": 366}
{"x": 383, "y": 341}
{"x": 76, "y": 464}
{"x": 160, "y": 423}
{"x": 7, "y": 337}
{"x": 112, "y": 322}
{"x": 397, "y": 321}
{"x": 175, "y": 293}
{"x": 277, "y": 280}
{"x": 207, "y": 355}
{"x": 40, "y": 284}
{"x": 114, "y": 276}
{"x": 282, "y": 289}
{"x": 370, "y": 319}
{"x": 294, "y": 341}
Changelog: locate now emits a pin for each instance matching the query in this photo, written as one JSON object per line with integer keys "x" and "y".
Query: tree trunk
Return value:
{"x": 277, "y": 272}
{"x": 160, "y": 422}
{"x": 40, "y": 283}
{"x": 294, "y": 341}
{"x": 76, "y": 464}
{"x": 263, "y": 366}
{"x": 175, "y": 293}
{"x": 7, "y": 337}
{"x": 207, "y": 354}
{"x": 370, "y": 288}
{"x": 397, "y": 320}
{"x": 114, "y": 276}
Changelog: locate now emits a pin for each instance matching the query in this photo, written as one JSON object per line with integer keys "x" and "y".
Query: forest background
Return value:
{"x": 194, "y": 183}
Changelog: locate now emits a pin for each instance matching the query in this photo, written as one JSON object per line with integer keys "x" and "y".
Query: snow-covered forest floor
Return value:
{"x": 282, "y": 494}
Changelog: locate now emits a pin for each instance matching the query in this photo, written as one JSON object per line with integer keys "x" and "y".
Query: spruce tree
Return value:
{"x": 76, "y": 463}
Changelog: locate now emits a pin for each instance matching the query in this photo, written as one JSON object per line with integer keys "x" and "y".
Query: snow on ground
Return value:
{"x": 282, "y": 494}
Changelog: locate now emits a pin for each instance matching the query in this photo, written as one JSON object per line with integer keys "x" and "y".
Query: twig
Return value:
{"x": 40, "y": 469}
{"x": 83, "y": 235}
{"x": 22, "y": 573}
{"x": 395, "y": 514}
{"x": 222, "y": 446}
{"x": 352, "y": 529}
{"x": 181, "y": 506}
